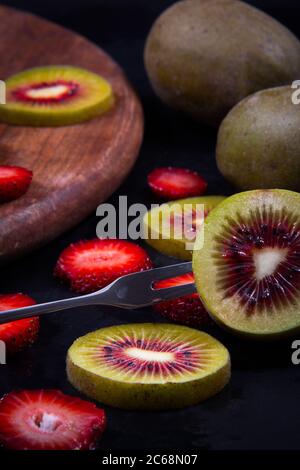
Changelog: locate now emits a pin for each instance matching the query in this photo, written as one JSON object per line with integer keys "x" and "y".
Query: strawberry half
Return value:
{"x": 49, "y": 420}
{"x": 21, "y": 333}
{"x": 14, "y": 182}
{"x": 187, "y": 310}
{"x": 90, "y": 265}
{"x": 176, "y": 183}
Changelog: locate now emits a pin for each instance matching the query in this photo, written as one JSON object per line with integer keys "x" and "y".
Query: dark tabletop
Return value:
{"x": 259, "y": 408}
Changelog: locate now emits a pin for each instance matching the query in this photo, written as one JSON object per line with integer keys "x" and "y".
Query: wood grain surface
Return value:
{"x": 75, "y": 167}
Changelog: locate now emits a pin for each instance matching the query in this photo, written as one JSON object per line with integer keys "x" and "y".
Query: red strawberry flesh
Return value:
{"x": 90, "y": 265}
{"x": 14, "y": 182}
{"x": 18, "y": 334}
{"x": 175, "y": 183}
{"x": 49, "y": 420}
{"x": 187, "y": 310}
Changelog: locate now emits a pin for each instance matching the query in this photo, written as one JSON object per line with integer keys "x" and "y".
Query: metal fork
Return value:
{"x": 129, "y": 292}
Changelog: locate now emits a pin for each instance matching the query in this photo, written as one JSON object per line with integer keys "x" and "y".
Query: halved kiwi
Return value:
{"x": 55, "y": 95}
{"x": 160, "y": 222}
{"x": 248, "y": 271}
{"x": 148, "y": 366}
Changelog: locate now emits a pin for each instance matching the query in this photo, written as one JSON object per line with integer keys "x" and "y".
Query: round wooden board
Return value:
{"x": 75, "y": 167}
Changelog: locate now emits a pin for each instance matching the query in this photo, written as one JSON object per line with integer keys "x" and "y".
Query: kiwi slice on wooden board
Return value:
{"x": 160, "y": 224}
{"x": 248, "y": 270}
{"x": 55, "y": 95}
{"x": 148, "y": 366}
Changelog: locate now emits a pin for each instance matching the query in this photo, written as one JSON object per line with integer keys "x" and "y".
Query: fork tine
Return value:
{"x": 174, "y": 270}
{"x": 135, "y": 290}
{"x": 173, "y": 292}
{"x": 169, "y": 271}
{"x": 157, "y": 274}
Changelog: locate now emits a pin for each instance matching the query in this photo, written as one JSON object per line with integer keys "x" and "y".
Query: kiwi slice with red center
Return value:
{"x": 55, "y": 95}
{"x": 171, "y": 227}
{"x": 148, "y": 366}
{"x": 56, "y": 91}
{"x": 248, "y": 271}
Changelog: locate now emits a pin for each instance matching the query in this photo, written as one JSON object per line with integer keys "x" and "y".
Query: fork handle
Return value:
{"x": 48, "y": 307}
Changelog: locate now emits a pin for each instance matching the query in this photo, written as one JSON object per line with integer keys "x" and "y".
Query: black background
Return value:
{"x": 259, "y": 409}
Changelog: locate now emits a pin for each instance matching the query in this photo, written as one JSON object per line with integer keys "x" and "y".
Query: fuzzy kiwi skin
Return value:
{"x": 206, "y": 273}
{"x": 259, "y": 142}
{"x": 173, "y": 247}
{"x": 204, "y": 56}
{"x": 142, "y": 396}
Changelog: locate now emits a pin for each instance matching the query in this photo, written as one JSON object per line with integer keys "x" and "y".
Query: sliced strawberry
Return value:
{"x": 90, "y": 265}
{"x": 187, "y": 310}
{"x": 18, "y": 334}
{"x": 14, "y": 182}
{"x": 176, "y": 183}
{"x": 49, "y": 420}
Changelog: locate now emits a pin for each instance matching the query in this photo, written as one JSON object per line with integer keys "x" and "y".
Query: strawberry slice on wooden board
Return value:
{"x": 14, "y": 182}
{"x": 90, "y": 265}
{"x": 187, "y": 310}
{"x": 49, "y": 420}
{"x": 21, "y": 333}
{"x": 176, "y": 183}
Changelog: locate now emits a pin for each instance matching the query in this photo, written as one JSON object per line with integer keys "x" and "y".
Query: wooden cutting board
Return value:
{"x": 75, "y": 167}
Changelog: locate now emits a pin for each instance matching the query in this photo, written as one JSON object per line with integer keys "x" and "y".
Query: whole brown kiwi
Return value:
{"x": 204, "y": 56}
{"x": 259, "y": 142}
